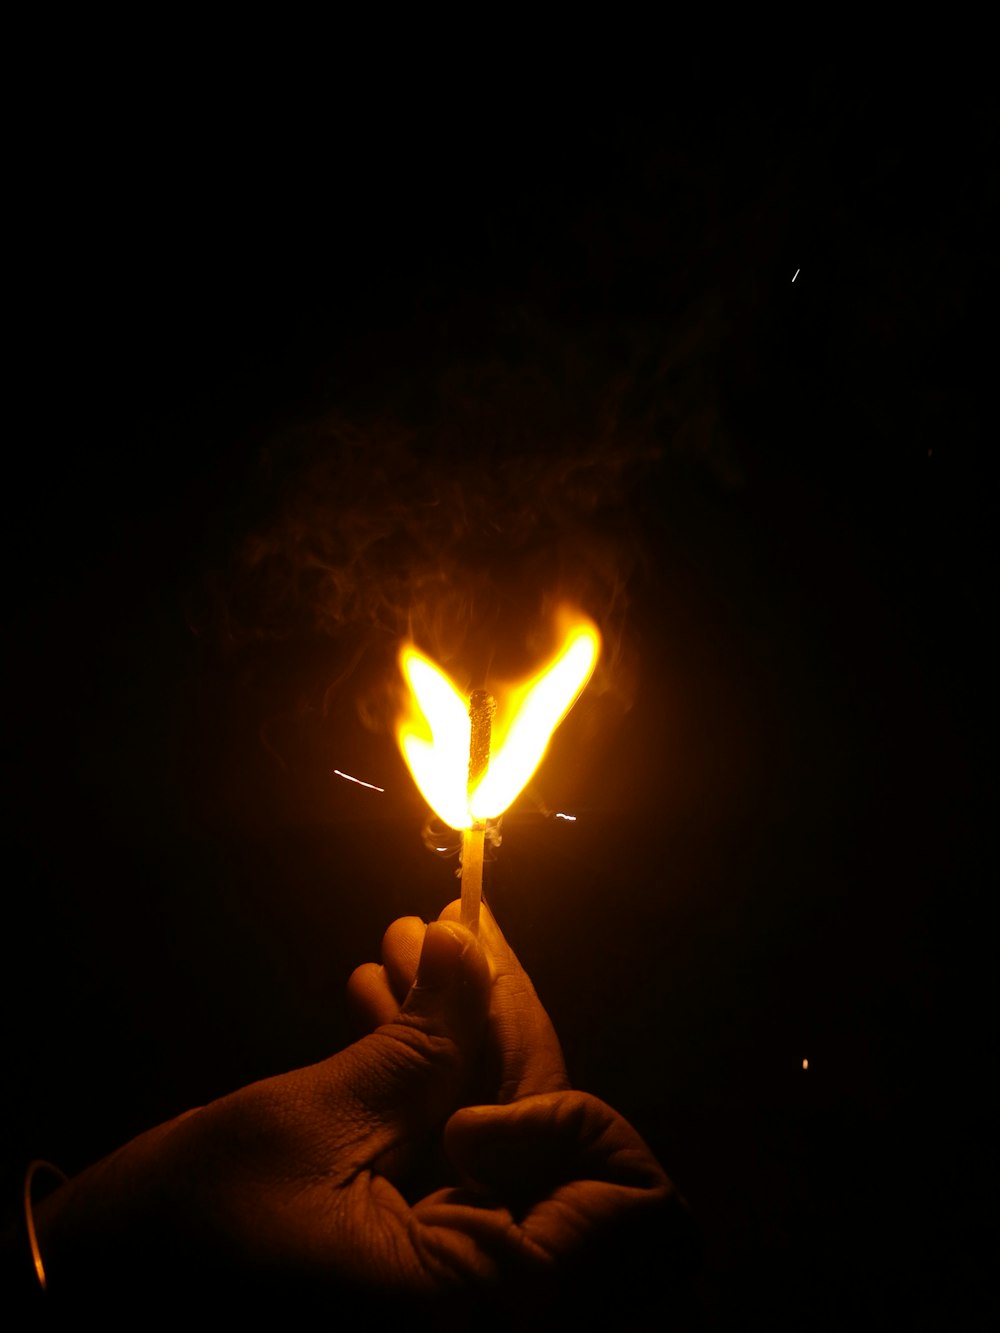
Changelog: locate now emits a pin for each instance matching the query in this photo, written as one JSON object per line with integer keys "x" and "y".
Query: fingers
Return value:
{"x": 421, "y": 967}
{"x": 490, "y": 934}
{"x": 543, "y": 1142}
{"x": 570, "y": 1170}
{"x": 376, "y": 994}
{"x": 531, "y": 1059}
{"x": 451, "y": 991}
{"x": 401, "y": 946}
{"x": 561, "y": 1185}
{"x": 525, "y": 1058}
{"x": 408, "y": 1073}
{"x": 370, "y": 997}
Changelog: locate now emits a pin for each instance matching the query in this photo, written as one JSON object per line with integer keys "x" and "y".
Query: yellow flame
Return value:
{"x": 434, "y": 736}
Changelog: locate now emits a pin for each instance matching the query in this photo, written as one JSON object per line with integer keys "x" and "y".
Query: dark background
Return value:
{"x": 779, "y": 851}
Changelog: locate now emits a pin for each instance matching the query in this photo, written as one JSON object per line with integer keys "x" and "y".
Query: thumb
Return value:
{"x": 450, "y": 995}
{"x": 408, "y": 1074}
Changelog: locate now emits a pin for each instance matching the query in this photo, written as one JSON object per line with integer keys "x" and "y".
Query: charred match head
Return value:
{"x": 482, "y": 706}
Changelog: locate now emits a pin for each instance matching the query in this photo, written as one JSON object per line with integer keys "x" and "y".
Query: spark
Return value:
{"x": 348, "y": 778}
{"x": 797, "y": 272}
{"x": 805, "y": 1064}
{"x": 560, "y": 815}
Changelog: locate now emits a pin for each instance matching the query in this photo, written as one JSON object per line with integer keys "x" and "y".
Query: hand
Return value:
{"x": 308, "y": 1180}
{"x": 521, "y": 1054}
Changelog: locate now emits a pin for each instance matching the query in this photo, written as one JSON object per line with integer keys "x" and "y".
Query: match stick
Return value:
{"x": 481, "y": 709}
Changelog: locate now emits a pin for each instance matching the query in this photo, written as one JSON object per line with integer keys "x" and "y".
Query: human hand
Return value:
{"x": 521, "y": 1053}
{"x": 307, "y": 1181}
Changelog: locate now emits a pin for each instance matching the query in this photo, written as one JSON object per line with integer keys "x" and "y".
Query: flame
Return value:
{"x": 434, "y": 735}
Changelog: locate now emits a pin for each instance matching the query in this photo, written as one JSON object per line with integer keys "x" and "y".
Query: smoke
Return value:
{"x": 464, "y": 510}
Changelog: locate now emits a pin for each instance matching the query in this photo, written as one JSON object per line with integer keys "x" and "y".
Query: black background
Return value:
{"x": 779, "y": 853}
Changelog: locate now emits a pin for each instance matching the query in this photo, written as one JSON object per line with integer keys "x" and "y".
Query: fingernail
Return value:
{"x": 444, "y": 946}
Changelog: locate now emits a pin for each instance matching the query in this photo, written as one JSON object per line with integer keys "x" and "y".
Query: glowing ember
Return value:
{"x": 434, "y": 736}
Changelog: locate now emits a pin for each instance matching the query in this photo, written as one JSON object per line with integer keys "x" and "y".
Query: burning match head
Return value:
{"x": 482, "y": 706}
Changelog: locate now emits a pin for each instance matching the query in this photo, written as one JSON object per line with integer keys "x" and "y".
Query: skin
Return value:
{"x": 441, "y": 1157}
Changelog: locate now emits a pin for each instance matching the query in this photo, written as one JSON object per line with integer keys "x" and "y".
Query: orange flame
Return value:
{"x": 434, "y": 735}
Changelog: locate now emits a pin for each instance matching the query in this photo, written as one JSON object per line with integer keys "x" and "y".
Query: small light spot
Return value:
{"x": 347, "y": 777}
{"x": 560, "y": 815}
{"x": 805, "y": 1064}
{"x": 797, "y": 272}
